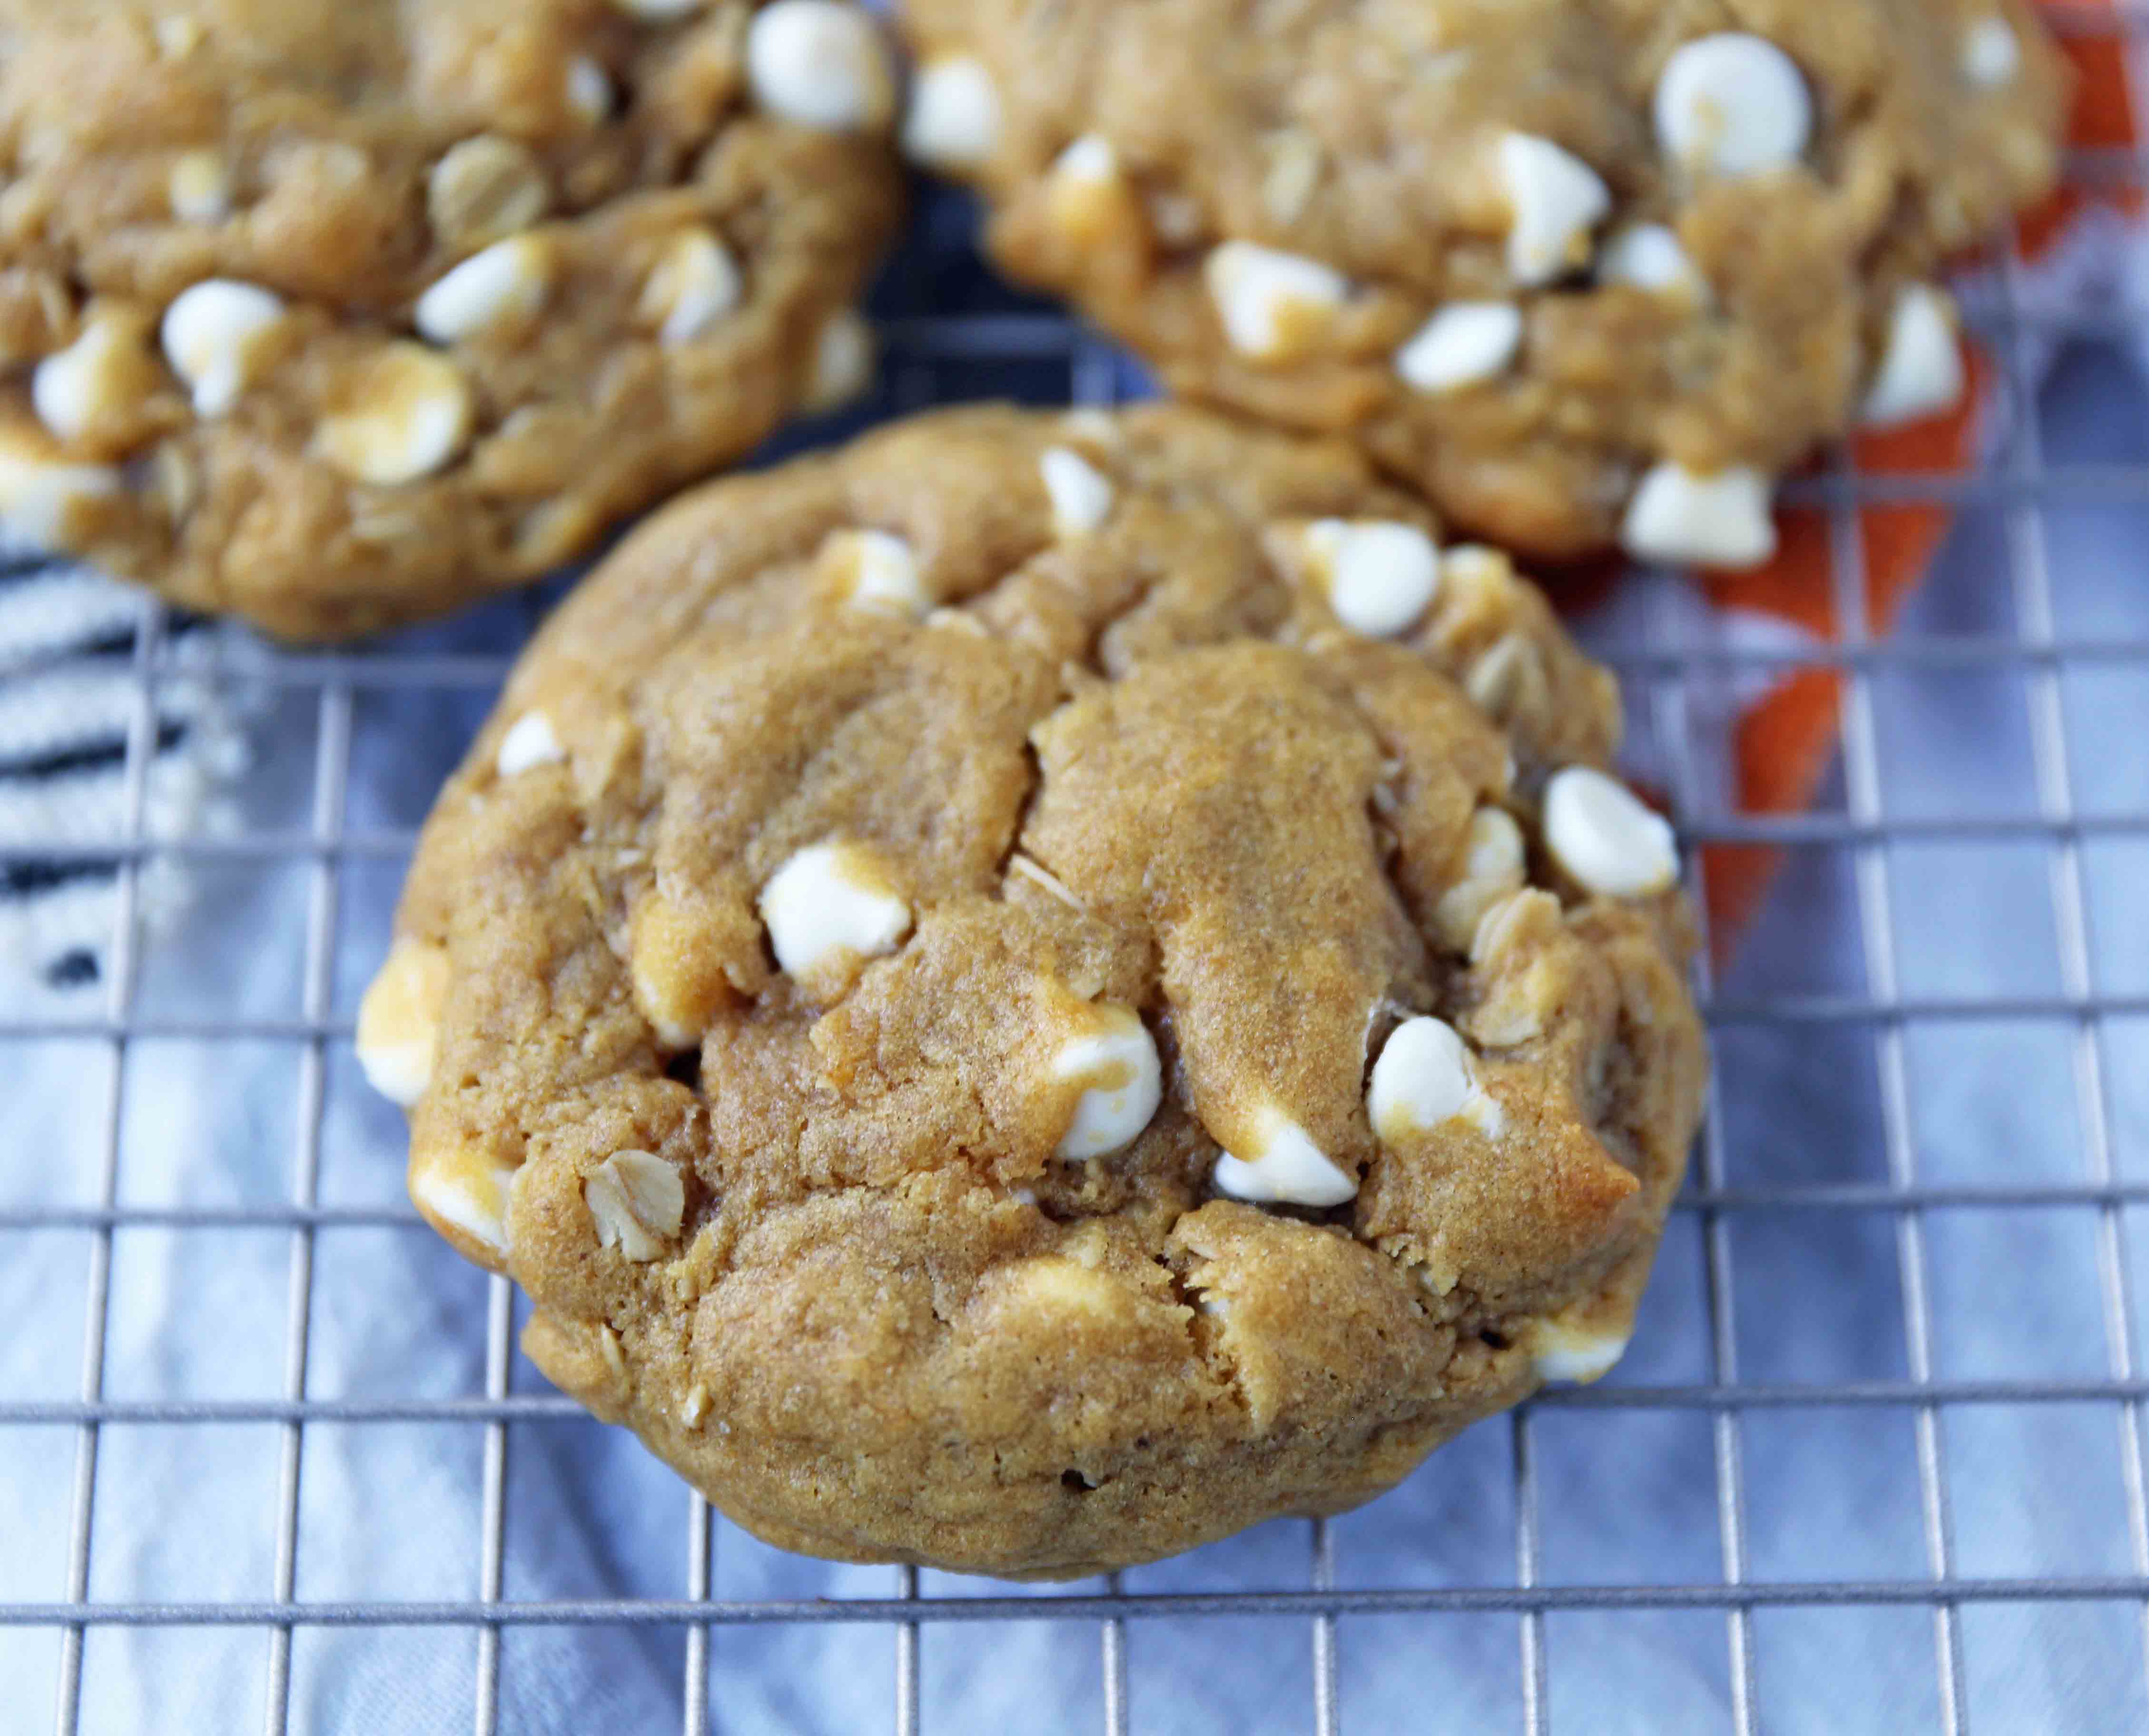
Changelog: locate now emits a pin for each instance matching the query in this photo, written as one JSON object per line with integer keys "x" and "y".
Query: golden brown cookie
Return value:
{"x": 1009, "y": 1010}
{"x": 340, "y": 313}
{"x": 1583, "y": 271}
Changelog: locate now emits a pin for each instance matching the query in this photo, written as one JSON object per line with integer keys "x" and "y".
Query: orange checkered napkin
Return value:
{"x": 1784, "y": 728}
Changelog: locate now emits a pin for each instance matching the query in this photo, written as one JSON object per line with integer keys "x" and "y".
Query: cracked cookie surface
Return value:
{"x": 1583, "y": 271}
{"x": 997, "y": 1029}
{"x": 337, "y": 313}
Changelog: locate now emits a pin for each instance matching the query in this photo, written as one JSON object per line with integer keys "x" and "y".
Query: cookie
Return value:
{"x": 1044, "y": 987}
{"x": 340, "y": 313}
{"x": 1584, "y": 273}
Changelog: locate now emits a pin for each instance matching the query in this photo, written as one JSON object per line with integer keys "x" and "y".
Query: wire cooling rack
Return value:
{"x": 1869, "y": 877}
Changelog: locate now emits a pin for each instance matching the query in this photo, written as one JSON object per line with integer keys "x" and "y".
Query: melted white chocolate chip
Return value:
{"x": 1273, "y": 305}
{"x": 43, "y": 496}
{"x": 1423, "y": 1078}
{"x": 828, "y": 906}
{"x": 1731, "y": 103}
{"x": 1680, "y": 516}
{"x": 842, "y": 367}
{"x": 105, "y": 369}
{"x": 406, "y": 414}
{"x": 529, "y": 742}
{"x": 1555, "y": 199}
{"x": 1920, "y": 372}
{"x": 463, "y": 1190}
{"x": 954, "y": 118}
{"x": 399, "y": 1020}
{"x": 1123, "y": 1083}
{"x": 1081, "y": 494}
{"x": 506, "y": 280}
{"x": 1283, "y": 1164}
{"x": 200, "y": 188}
{"x": 693, "y": 285}
{"x": 1563, "y": 1352}
{"x": 1463, "y": 344}
{"x": 1604, "y": 836}
{"x": 1649, "y": 256}
{"x": 1381, "y": 576}
{"x": 1991, "y": 54}
{"x": 821, "y": 63}
{"x": 878, "y": 570}
{"x": 213, "y": 336}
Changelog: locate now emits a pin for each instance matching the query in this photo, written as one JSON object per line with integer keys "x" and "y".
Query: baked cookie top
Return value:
{"x": 1045, "y": 987}
{"x": 1583, "y": 270}
{"x": 338, "y": 313}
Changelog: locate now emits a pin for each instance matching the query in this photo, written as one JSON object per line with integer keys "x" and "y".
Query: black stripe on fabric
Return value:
{"x": 86, "y": 756}
{"x": 77, "y": 970}
{"x": 27, "y": 879}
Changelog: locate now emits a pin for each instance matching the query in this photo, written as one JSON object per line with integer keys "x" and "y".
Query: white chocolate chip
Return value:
{"x": 1556, "y": 199}
{"x": 529, "y": 742}
{"x": 404, "y": 414}
{"x": 821, "y": 63}
{"x": 1081, "y": 494}
{"x": 1605, "y": 838}
{"x": 399, "y": 1020}
{"x": 1424, "y": 1079}
{"x": 1090, "y": 161}
{"x": 212, "y": 335}
{"x": 694, "y": 284}
{"x": 43, "y": 495}
{"x": 468, "y": 1194}
{"x": 590, "y": 93}
{"x": 177, "y": 37}
{"x": 842, "y": 365}
{"x": 1381, "y": 576}
{"x": 1086, "y": 197}
{"x": 955, "y": 118}
{"x": 828, "y": 904}
{"x": 1273, "y": 305}
{"x": 1991, "y": 54}
{"x": 1920, "y": 372}
{"x": 1461, "y": 345}
{"x": 1124, "y": 1083}
{"x": 1284, "y": 1165}
{"x": 1493, "y": 863}
{"x": 638, "y": 1202}
{"x": 1649, "y": 256}
{"x": 506, "y": 279}
{"x": 879, "y": 571}
{"x": 1562, "y": 1352}
{"x": 105, "y": 369}
{"x": 1680, "y": 515}
{"x": 658, "y": 11}
{"x": 1732, "y": 104}
{"x": 199, "y": 189}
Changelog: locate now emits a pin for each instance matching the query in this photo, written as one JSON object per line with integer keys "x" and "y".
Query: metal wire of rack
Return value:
{"x": 998, "y": 344}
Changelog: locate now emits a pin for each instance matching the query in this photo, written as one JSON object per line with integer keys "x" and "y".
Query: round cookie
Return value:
{"x": 1010, "y": 1011}
{"x": 1584, "y": 271}
{"x": 340, "y": 313}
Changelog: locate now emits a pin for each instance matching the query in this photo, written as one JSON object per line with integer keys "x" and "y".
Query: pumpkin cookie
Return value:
{"x": 1584, "y": 271}
{"x": 1044, "y": 987}
{"x": 340, "y": 313}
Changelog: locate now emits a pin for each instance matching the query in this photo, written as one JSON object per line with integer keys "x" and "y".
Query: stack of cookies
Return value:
{"x": 1046, "y": 986}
